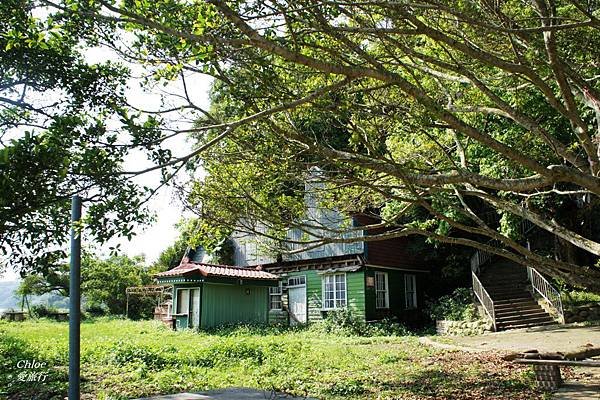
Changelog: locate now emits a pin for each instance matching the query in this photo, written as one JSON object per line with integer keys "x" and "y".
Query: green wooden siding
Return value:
{"x": 355, "y": 293}
{"x": 355, "y": 285}
{"x": 232, "y": 304}
{"x": 222, "y": 304}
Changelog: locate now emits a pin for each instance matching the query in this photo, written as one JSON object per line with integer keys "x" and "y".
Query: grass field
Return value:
{"x": 125, "y": 359}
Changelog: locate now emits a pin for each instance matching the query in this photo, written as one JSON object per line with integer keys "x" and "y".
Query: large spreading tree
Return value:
{"x": 65, "y": 128}
{"x": 460, "y": 121}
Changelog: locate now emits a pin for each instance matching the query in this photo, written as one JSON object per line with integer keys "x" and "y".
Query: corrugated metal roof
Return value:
{"x": 192, "y": 268}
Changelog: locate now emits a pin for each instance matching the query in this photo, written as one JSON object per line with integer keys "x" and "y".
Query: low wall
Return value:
{"x": 463, "y": 328}
{"x": 588, "y": 312}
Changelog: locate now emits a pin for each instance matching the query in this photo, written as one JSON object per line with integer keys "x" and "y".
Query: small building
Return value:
{"x": 208, "y": 295}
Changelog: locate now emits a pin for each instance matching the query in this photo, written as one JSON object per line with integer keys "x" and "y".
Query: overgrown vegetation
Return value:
{"x": 344, "y": 322}
{"x": 457, "y": 306}
{"x": 125, "y": 359}
{"x": 577, "y": 298}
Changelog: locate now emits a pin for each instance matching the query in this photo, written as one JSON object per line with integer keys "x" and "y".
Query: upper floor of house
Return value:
{"x": 320, "y": 221}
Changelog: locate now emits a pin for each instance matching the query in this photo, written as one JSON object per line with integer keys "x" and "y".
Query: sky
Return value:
{"x": 149, "y": 240}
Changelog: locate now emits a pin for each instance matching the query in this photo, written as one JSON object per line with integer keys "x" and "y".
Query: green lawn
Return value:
{"x": 125, "y": 359}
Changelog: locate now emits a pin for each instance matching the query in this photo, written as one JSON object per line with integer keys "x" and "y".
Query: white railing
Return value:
{"x": 484, "y": 299}
{"x": 478, "y": 259}
{"x": 547, "y": 291}
{"x": 481, "y": 256}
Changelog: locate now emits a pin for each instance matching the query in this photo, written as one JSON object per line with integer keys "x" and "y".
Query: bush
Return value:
{"x": 345, "y": 322}
{"x": 457, "y": 306}
{"x": 42, "y": 311}
{"x": 96, "y": 310}
{"x": 576, "y": 298}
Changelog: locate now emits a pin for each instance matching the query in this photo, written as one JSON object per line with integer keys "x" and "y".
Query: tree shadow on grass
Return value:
{"x": 459, "y": 376}
{"x": 439, "y": 384}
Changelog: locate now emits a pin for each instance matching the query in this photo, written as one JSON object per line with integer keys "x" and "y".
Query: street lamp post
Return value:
{"x": 75, "y": 300}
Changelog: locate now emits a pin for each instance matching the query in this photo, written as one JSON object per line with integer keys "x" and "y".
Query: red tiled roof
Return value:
{"x": 192, "y": 268}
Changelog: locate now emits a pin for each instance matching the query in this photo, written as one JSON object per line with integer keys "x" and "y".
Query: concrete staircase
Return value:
{"x": 514, "y": 305}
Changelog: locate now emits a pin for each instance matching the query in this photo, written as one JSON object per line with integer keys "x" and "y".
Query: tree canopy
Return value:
{"x": 464, "y": 122}
{"x": 65, "y": 128}
{"x": 103, "y": 284}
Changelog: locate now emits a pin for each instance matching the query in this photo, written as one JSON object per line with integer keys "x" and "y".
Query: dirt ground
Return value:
{"x": 580, "y": 383}
{"x": 564, "y": 339}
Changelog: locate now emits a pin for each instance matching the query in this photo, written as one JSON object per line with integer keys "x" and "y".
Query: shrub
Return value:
{"x": 578, "y": 298}
{"x": 96, "y": 310}
{"x": 457, "y": 306}
{"x": 387, "y": 327}
{"x": 42, "y": 311}
{"x": 345, "y": 322}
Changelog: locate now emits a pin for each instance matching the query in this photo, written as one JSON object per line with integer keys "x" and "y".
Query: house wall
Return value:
{"x": 396, "y": 293}
{"x": 249, "y": 250}
{"x": 327, "y": 250}
{"x": 355, "y": 294}
{"x": 233, "y": 304}
{"x": 222, "y": 304}
{"x": 396, "y": 252}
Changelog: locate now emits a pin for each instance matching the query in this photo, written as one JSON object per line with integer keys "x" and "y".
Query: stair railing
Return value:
{"x": 547, "y": 291}
{"x": 481, "y": 257}
{"x": 478, "y": 259}
{"x": 484, "y": 298}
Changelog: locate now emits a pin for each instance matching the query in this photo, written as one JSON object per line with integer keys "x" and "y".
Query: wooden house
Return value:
{"x": 373, "y": 279}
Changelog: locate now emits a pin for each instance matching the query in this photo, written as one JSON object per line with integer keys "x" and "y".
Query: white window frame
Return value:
{"x": 250, "y": 250}
{"x": 295, "y": 236}
{"x": 385, "y": 290}
{"x": 335, "y": 299}
{"x": 296, "y": 281}
{"x": 412, "y": 295}
{"x": 275, "y": 291}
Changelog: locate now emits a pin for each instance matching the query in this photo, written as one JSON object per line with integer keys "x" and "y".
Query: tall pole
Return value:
{"x": 74, "y": 300}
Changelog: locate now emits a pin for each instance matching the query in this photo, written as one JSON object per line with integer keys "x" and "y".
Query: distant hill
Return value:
{"x": 8, "y": 299}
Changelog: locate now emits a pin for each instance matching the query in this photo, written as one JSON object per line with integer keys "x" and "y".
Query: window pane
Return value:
{"x": 183, "y": 301}
{"x": 380, "y": 299}
{"x": 275, "y": 303}
{"x": 381, "y": 290}
{"x": 410, "y": 291}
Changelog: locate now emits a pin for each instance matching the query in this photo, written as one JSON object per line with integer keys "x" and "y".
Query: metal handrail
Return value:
{"x": 547, "y": 291}
{"x": 478, "y": 259}
{"x": 484, "y": 298}
{"x": 481, "y": 256}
